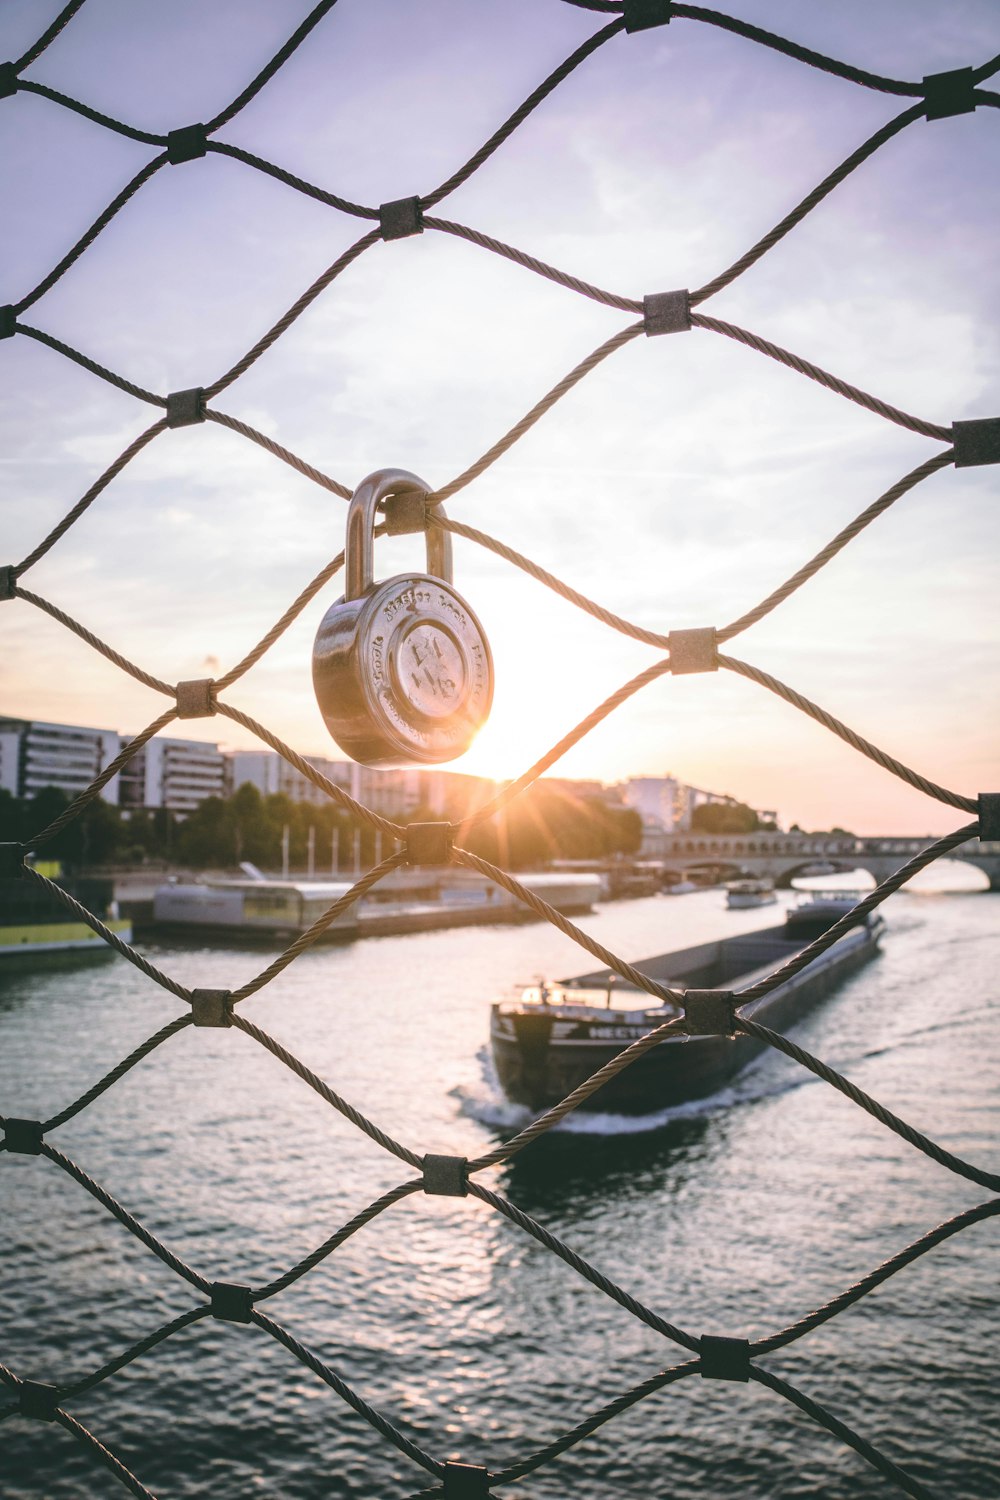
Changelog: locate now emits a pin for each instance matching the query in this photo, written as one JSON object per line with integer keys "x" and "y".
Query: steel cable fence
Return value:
{"x": 968, "y": 444}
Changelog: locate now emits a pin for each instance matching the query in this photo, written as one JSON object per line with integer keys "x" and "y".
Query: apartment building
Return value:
{"x": 271, "y": 773}
{"x": 179, "y": 774}
{"x": 176, "y": 774}
{"x": 36, "y": 754}
{"x": 392, "y": 793}
{"x": 660, "y": 801}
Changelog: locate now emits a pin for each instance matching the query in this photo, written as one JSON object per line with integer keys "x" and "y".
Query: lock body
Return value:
{"x": 403, "y": 671}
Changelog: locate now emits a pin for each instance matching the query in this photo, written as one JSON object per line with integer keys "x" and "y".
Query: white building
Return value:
{"x": 176, "y": 774}
{"x": 392, "y": 793}
{"x": 665, "y": 806}
{"x": 36, "y": 754}
{"x": 398, "y": 794}
{"x": 658, "y": 800}
{"x": 271, "y": 773}
{"x": 10, "y": 759}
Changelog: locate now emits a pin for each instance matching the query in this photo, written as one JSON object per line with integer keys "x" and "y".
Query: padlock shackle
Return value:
{"x": 359, "y": 561}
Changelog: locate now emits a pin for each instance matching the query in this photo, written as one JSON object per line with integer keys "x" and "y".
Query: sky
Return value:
{"x": 677, "y": 484}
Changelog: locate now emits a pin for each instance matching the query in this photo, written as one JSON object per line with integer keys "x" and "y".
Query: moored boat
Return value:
{"x": 681, "y": 888}
{"x": 257, "y": 908}
{"x": 554, "y": 1036}
{"x": 35, "y": 925}
{"x": 741, "y": 893}
{"x": 253, "y": 907}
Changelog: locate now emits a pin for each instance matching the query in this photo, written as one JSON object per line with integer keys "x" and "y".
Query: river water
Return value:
{"x": 736, "y": 1216}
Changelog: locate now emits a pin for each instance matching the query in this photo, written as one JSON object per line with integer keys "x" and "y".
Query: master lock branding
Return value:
{"x": 402, "y": 668}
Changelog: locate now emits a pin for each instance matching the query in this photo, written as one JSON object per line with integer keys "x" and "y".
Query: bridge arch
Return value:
{"x": 801, "y": 871}
{"x": 881, "y": 866}
{"x": 785, "y": 856}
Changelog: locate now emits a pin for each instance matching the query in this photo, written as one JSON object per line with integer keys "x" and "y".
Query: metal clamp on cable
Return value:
{"x": 709, "y": 1013}
{"x": 466, "y": 1482}
{"x": 640, "y": 15}
{"x": 951, "y": 93}
{"x": 8, "y": 80}
{"x": 446, "y": 1176}
{"x": 989, "y": 817}
{"x": 405, "y": 513}
{"x": 24, "y": 1137}
{"x": 693, "y": 650}
{"x": 231, "y": 1302}
{"x": 186, "y": 144}
{"x": 38, "y": 1400}
{"x": 212, "y": 1007}
{"x": 666, "y": 312}
{"x": 401, "y": 218}
{"x": 724, "y": 1359}
{"x": 196, "y": 699}
{"x": 976, "y": 442}
{"x": 8, "y": 582}
{"x": 8, "y": 321}
{"x": 185, "y": 408}
{"x": 428, "y": 843}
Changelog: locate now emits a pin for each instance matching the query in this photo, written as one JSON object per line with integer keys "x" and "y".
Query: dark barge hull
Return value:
{"x": 540, "y": 1058}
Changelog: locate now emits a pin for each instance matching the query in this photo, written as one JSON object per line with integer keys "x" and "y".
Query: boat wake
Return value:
{"x": 488, "y": 1105}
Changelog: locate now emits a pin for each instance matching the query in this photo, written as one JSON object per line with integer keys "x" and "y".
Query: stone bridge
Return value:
{"x": 783, "y": 856}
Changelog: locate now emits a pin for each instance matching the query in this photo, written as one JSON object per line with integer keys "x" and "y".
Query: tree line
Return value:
{"x": 542, "y": 824}
{"x": 728, "y": 817}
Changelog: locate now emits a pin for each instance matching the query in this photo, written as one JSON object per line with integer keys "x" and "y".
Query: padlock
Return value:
{"x": 402, "y": 668}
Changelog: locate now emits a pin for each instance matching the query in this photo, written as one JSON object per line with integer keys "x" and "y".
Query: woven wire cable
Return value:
{"x": 672, "y": 1000}
{"x": 847, "y": 1435}
{"x": 126, "y": 1219}
{"x": 91, "y": 495}
{"x": 87, "y": 239}
{"x": 48, "y": 36}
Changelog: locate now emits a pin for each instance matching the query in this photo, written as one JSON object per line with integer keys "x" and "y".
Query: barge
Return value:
{"x": 36, "y": 927}
{"x": 554, "y": 1036}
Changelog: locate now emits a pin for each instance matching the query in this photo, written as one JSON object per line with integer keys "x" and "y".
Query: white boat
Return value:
{"x": 750, "y": 893}
{"x": 462, "y": 898}
{"x": 259, "y": 907}
{"x": 250, "y": 907}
